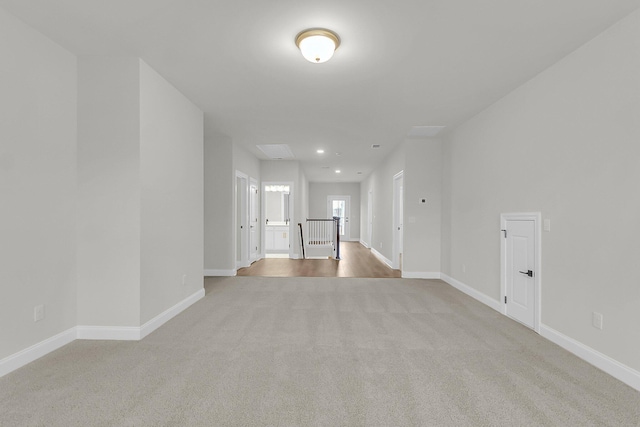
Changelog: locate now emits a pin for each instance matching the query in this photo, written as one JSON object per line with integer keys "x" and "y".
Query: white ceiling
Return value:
{"x": 401, "y": 64}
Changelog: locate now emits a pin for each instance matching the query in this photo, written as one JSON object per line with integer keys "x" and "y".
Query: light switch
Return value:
{"x": 547, "y": 225}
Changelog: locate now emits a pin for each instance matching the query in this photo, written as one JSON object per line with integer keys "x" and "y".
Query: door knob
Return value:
{"x": 528, "y": 273}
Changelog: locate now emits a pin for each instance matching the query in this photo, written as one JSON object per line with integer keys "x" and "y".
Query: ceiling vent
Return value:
{"x": 375, "y": 146}
{"x": 276, "y": 151}
{"x": 424, "y": 131}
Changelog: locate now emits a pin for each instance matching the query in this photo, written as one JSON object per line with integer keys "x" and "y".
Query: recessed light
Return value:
{"x": 375, "y": 146}
{"x": 320, "y": 151}
{"x": 359, "y": 173}
{"x": 338, "y": 154}
{"x": 337, "y": 170}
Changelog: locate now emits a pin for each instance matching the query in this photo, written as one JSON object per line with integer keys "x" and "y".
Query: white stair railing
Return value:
{"x": 324, "y": 233}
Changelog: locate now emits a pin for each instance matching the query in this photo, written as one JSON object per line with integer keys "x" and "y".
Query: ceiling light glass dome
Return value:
{"x": 318, "y": 44}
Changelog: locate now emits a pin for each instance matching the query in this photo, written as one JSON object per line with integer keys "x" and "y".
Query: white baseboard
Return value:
{"x": 472, "y": 292}
{"x": 121, "y": 333}
{"x": 36, "y": 351}
{"x": 365, "y": 244}
{"x": 133, "y": 333}
{"x": 420, "y": 275}
{"x": 223, "y": 273}
{"x": 116, "y": 333}
{"x": 382, "y": 258}
{"x": 624, "y": 373}
{"x": 170, "y": 313}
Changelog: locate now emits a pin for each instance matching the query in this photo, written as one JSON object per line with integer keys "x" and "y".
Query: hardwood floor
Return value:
{"x": 356, "y": 261}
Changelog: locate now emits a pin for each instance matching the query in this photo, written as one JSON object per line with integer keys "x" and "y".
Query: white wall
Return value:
{"x": 565, "y": 144}
{"x": 37, "y": 186}
{"x": 420, "y": 160}
{"x": 422, "y": 222}
{"x": 304, "y": 196}
{"x": 140, "y": 196}
{"x": 172, "y": 209}
{"x": 246, "y": 162}
{"x": 108, "y": 191}
{"x": 219, "y": 184}
{"x": 380, "y": 181}
{"x": 318, "y": 192}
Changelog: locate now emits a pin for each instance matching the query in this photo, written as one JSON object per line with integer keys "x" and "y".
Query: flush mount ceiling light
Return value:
{"x": 317, "y": 44}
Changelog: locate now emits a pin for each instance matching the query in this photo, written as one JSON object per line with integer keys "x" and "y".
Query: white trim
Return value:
{"x": 117, "y": 333}
{"x": 381, "y": 257}
{"x": 36, "y": 351}
{"x": 473, "y": 293}
{"x": 136, "y": 333}
{"x": 421, "y": 275}
{"x": 624, "y": 373}
{"x": 170, "y": 313}
{"x": 224, "y": 273}
{"x": 363, "y": 243}
{"x": 536, "y": 217}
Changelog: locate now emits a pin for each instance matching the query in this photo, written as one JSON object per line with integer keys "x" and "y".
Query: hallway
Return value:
{"x": 356, "y": 261}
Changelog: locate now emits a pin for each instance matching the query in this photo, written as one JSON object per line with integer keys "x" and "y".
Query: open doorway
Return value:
{"x": 277, "y": 213}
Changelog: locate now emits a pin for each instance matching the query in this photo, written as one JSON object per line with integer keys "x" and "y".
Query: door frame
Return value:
{"x": 536, "y": 217}
{"x": 263, "y": 208}
{"x": 347, "y": 225}
{"x": 398, "y": 213}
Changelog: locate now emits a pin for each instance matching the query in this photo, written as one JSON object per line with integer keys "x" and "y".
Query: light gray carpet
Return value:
{"x": 321, "y": 351}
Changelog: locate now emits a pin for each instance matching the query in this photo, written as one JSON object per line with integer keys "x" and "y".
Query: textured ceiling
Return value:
{"x": 401, "y": 64}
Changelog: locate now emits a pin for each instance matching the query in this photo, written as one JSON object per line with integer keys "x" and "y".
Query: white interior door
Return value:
{"x": 520, "y": 260}
{"x": 370, "y": 219}
{"x": 242, "y": 215}
{"x": 398, "y": 214}
{"x": 340, "y": 206}
{"x": 253, "y": 220}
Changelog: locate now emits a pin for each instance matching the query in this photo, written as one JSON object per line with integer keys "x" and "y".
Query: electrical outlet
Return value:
{"x": 464, "y": 268}
{"x": 546, "y": 225}
{"x": 184, "y": 279}
{"x": 38, "y": 313}
{"x": 596, "y": 320}
{"x": 380, "y": 245}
